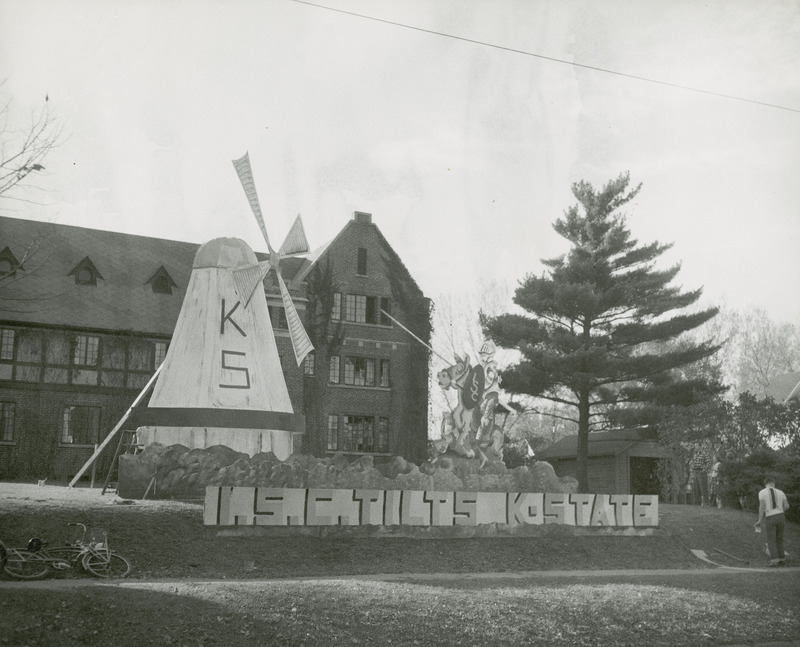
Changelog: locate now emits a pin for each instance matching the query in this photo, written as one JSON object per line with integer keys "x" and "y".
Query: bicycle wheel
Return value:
{"x": 99, "y": 565}
{"x": 3, "y": 555}
{"x": 25, "y": 564}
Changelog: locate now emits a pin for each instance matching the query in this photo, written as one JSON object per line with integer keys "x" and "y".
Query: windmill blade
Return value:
{"x": 300, "y": 341}
{"x": 248, "y": 278}
{"x": 296, "y": 242}
{"x": 245, "y": 173}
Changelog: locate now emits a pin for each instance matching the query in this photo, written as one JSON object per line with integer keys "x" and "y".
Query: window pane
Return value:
{"x": 6, "y": 343}
{"x": 333, "y": 431}
{"x": 308, "y": 364}
{"x": 336, "y": 312}
{"x": 384, "y": 373}
{"x": 366, "y": 441}
{"x": 349, "y": 370}
{"x": 349, "y": 307}
{"x": 333, "y": 371}
{"x": 346, "y": 438}
{"x": 370, "y": 372}
{"x": 160, "y": 353}
{"x": 80, "y": 425}
{"x": 361, "y": 309}
{"x": 360, "y": 370}
{"x": 66, "y": 424}
{"x": 382, "y": 440}
{"x": 86, "y": 348}
{"x": 7, "y": 411}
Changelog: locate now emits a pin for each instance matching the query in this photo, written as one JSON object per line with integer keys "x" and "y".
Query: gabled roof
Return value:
{"x": 319, "y": 254}
{"x": 44, "y": 293}
{"x": 784, "y": 387}
{"x": 602, "y": 443}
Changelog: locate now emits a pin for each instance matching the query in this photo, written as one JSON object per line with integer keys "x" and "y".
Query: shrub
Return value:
{"x": 741, "y": 480}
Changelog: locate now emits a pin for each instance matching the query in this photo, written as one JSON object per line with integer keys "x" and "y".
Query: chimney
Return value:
{"x": 362, "y": 217}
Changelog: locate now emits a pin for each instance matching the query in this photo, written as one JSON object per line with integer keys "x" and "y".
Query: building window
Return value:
{"x": 336, "y": 310}
{"x": 81, "y": 425}
{"x": 333, "y": 431}
{"x": 277, "y": 317}
{"x": 355, "y": 308}
{"x": 86, "y": 347}
{"x": 161, "y": 282}
{"x": 384, "y": 374}
{"x": 333, "y": 372}
{"x": 350, "y": 307}
{"x": 361, "y": 264}
{"x": 8, "y": 263}
{"x": 308, "y": 364}
{"x": 6, "y": 343}
{"x": 7, "y": 414}
{"x": 85, "y": 272}
{"x": 382, "y": 436}
{"x": 363, "y": 309}
{"x": 159, "y": 353}
{"x": 161, "y": 285}
{"x": 359, "y": 434}
{"x": 364, "y": 371}
{"x": 359, "y": 371}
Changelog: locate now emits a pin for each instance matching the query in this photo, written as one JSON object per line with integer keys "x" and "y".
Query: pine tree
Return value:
{"x": 598, "y": 319}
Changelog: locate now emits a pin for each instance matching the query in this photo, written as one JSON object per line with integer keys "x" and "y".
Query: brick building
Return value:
{"x": 86, "y": 316}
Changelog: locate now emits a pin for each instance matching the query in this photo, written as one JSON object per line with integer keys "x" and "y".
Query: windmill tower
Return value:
{"x": 221, "y": 382}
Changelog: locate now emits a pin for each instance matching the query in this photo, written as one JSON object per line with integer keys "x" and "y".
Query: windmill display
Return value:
{"x": 221, "y": 382}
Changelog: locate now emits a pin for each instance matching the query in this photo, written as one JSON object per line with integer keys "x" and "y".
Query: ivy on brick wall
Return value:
{"x": 418, "y": 317}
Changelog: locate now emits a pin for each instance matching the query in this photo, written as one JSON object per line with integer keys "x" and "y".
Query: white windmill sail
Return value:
{"x": 248, "y": 278}
{"x": 245, "y": 173}
{"x": 301, "y": 344}
{"x": 295, "y": 242}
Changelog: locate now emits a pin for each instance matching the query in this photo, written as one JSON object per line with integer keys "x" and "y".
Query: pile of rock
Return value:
{"x": 182, "y": 473}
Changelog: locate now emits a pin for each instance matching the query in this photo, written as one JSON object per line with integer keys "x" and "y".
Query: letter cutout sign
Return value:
{"x": 264, "y": 506}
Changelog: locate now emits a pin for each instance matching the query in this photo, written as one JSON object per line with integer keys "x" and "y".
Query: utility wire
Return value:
{"x": 548, "y": 58}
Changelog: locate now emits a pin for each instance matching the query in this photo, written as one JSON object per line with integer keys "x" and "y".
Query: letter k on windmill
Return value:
{"x": 221, "y": 382}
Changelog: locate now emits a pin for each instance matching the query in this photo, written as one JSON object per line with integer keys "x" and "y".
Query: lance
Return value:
{"x": 414, "y": 336}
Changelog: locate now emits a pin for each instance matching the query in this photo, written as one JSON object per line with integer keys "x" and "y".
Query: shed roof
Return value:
{"x": 604, "y": 443}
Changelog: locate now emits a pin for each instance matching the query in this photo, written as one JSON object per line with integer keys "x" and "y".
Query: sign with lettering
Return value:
{"x": 265, "y": 506}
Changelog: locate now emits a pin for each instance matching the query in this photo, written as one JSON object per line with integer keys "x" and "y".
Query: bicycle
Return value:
{"x": 94, "y": 556}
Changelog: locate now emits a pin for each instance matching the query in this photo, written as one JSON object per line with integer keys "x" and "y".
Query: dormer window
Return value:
{"x": 85, "y": 273}
{"x": 8, "y": 263}
{"x": 161, "y": 281}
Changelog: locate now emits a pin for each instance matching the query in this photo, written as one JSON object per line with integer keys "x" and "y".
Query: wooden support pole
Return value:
{"x": 94, "y": 469}
{"x": 113, "y": 462}
{"x": 118, "y": 426}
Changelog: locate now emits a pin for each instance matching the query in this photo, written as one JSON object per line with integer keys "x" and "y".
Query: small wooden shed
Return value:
{"x": 622, "y": 461}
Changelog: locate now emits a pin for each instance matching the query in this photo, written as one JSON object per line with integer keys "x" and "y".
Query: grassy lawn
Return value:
{"x": 705, "y": 610}
{"x": 167, "y": 539}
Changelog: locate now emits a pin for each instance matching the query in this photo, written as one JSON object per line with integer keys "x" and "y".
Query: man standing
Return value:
{"x": 772, "y": 505}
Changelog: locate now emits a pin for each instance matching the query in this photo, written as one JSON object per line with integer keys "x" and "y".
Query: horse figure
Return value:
{"x": 460, "y": 426}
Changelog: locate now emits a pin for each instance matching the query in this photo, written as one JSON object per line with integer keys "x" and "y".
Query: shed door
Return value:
{"x": 644, "y": 475}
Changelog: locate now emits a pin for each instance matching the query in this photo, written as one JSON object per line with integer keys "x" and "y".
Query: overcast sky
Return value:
{"x": 463, "y": 152}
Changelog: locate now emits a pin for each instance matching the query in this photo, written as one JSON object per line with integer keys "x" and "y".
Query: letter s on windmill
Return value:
{"x": 221, "y": 382}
